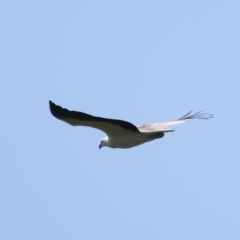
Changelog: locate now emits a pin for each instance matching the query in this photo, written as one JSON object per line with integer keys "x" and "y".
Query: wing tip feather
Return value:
{"x": 201, "y": 115}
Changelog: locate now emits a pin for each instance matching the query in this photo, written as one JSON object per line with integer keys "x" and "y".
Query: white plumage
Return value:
{"x": 122, "y": 134}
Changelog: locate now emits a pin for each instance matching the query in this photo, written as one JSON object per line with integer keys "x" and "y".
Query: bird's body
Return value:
{"x": 121, "y": 134}
{"x": 132, "y": 139}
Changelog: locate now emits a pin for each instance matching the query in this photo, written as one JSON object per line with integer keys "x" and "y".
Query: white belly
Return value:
{"x": 128, "y": 141}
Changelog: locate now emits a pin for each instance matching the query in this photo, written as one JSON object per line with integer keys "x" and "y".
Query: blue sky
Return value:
{"x": 140, "y": 61}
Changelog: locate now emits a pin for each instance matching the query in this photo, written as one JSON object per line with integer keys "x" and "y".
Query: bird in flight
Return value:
{"x": 122, "y": 134}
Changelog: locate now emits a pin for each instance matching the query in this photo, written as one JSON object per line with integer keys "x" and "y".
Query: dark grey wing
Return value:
{"x": 109, "y": 126}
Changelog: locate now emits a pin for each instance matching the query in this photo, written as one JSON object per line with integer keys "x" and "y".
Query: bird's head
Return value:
{"x": 103, "y": 143}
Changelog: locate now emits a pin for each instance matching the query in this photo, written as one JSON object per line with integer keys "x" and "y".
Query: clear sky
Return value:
{"x": 140, "y": 61}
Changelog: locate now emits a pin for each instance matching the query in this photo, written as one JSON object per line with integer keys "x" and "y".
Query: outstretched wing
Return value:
{"x": 164, "y": 126}
{"x": 111, "y": 127}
